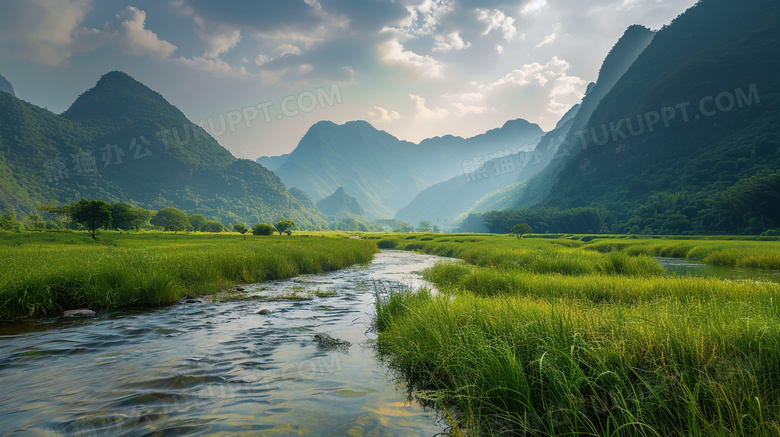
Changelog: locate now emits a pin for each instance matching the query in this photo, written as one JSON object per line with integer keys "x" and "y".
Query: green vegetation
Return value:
{"x": 586, "y": 336}
{"x": 241, "y": 229}
{"x": 171, "y": 219}
{"x": 263, "y": 229}
{"x": 92, "y": 214}
{"x": 46, "y": 273}
{"x": 285, "y": 227}
{"x": 521, "y": 229}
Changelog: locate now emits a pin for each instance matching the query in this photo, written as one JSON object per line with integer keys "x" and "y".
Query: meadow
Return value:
{"x": 44, "y": 274}
{"x": 587, "y": 336}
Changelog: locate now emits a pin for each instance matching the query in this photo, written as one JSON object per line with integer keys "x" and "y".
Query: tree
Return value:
{"x": 403, "y": 227}
{"x": 197, "y": 221}
{"x": 92, "y": 214}
{"x": 8, "y": 222}
{"x": 63, "y": 211}
{"x": 521, "y": 229}
{"x": 126, "y": 217}
{"x": 213, "y": 226}
{"x": 241, "y": 229}
{"x": 425, "y": 226}
{"x": 35, "y": 222}
{"x": 171, "y": 219}
{"x": 285, "y": 226}
{"x": 352, "y": 225}
{"x": 263, "y": 229}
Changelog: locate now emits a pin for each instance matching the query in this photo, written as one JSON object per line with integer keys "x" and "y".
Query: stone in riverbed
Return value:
{"x": 78, "y": 313}
{"x": 264, "y": 312}
{"x": 325, "y": 341}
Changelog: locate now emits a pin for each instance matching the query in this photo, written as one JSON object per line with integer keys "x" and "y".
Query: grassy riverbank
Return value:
{"x": 562, "y": 337}
{"x": 46, "y": 273}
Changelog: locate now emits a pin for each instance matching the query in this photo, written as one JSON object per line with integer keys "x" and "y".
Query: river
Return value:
{"x": 214, "y": 369}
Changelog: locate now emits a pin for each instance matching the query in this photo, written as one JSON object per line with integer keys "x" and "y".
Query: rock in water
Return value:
{"x": 325, "y": 341}
{"x": 78, "y": 313}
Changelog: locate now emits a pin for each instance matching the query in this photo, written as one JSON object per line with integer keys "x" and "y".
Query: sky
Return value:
{"x": 258, "y": 74}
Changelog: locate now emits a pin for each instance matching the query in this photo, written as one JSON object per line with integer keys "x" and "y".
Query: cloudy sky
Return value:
{"x": 415, "y": 68}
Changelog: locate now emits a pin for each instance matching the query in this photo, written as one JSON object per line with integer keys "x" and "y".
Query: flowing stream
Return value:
{"x": 203, "y": 368}
{"x": 684, "y": 267}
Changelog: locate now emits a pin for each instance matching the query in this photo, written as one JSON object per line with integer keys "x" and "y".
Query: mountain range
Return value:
{"x": 382, "y": 172}
{"x": 677, "y": 135}
{"x": 121, "y": 141}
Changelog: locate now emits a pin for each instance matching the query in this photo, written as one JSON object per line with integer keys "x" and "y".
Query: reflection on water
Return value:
{"x": 683, "y": 267}
{"x": 216, "y": 368}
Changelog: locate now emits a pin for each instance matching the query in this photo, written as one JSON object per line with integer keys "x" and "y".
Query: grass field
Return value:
{"x": 46, "y": 273}
{"x": 568, "y": 337}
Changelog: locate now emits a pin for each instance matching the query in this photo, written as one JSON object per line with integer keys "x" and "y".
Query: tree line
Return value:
{"x": 93, "y": 215}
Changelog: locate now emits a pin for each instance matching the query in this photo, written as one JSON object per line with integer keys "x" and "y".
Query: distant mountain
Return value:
{"x": 382, "y": 172}
{"x": 273, "y": 162}
{"x": 713, "y": 73}
{"x": 341, "y": 205}
{"x": 501, "y": 189}
{"x": 530, "y": 191}
{"x": 6, "y": 86}
{"x": 443, "y": 202}
{"x": 718, "y": 61}
{"x": 121, "y": 141}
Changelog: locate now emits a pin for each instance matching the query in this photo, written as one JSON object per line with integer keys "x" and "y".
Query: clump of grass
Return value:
{"x": 320, "y": 293}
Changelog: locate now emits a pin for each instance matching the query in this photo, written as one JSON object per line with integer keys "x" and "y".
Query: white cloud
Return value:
{"x": 534, "y": 73}
{"x": 425, "y": 66}
{"x": 43, "y": 31}
{"x": 382, "y": 115}
{"x": 533, "y": 7}
{"x": 261, "y": 59}
{"x": 423, "y": 19}
{"x": 464, "y": 109}
{"x": 497, "y": 20}
{"x": 135, "y": 39}
{"x": 499, "y": 49}
{"x": 424, "y": 113}
{"x": 288, "y": 49}
{"x": 219, "y": 40}
{"x": 567, "y": 91}
{"x": 453, "y": 41}
{"x": 549, "y": 39}
{"x": 216, "y": 67}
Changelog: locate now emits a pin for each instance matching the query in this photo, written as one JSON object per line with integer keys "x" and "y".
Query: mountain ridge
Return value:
{"x": 381, "y": 171}
{"x": 110, "y": 148}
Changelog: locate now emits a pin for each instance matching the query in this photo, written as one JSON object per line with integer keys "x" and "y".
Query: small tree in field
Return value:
{"x": 241, "y": 229}
{"x": 262, "y": 229}
{"x": 521, "y": 229}
{"x": 92, "y": 214}
{"x": 212, "y": 226}
{"x": 171, "y": 219}
{"x": 285, "y": 227}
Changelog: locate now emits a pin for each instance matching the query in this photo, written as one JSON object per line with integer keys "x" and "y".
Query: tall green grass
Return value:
{"x": 44, "y": 274}
{"x": 608, "y": 351}
{"x": 732, "y": 253}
